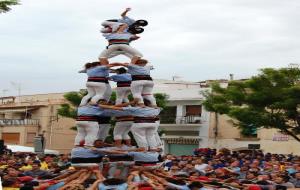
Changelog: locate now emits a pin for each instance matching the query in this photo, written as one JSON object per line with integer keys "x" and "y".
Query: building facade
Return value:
{"x": 23, "y": 118}
{"x": 185, "y": 124}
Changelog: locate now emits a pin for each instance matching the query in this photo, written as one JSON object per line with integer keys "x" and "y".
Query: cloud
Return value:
{"x": 45, "y": 43}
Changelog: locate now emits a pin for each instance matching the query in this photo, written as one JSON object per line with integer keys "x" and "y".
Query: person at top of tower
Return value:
{"x": 118, "y": 43}
{"x": 132, "y": 26}
{"x": 142, "y": 83}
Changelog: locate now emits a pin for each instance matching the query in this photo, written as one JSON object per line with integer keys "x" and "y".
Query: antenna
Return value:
{"x": 4, "y": 91}
{"x": 18, "y": 87}
{"x": 175, "y": 77}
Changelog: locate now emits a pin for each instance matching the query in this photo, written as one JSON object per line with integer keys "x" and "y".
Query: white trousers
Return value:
{"x": 122, "y": 94}
{"x": 116, "y": 53}
{"x": 122, "y": 129}
{"x": 107, "y": 92}
{"x": 96, "y": 91}
{"x": 143, "y": 89}
{"x": 119, "y": 47}
{"x": 87, "y": 131}
{"x": 144, "y": 134}
{"x": 157, "y": 137}
{"x": 103, "y": 131}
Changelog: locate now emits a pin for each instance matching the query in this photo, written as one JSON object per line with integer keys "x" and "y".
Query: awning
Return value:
{"x": 182, "y": 140}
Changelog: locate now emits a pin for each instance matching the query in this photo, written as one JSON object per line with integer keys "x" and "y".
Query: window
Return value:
{"x": 193, "y": 110}
{"x": 168, "y": 115}
{"x": 11, "y": 138}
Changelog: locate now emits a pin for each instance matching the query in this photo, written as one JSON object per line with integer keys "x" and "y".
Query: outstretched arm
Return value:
{"x": 99, "y": 179}
{"x": 109, "y": 151}
{"x": 123, "y": 14}
{"x": 110, "y": 107}
{"x": 127, "y": 104}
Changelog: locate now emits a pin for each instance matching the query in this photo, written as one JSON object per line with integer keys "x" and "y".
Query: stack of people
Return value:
{"x": 96, "y": 111}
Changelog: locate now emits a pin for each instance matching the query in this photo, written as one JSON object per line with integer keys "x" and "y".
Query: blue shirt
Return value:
{"x": 90, "y": 110}
{"x": 116, "y": 113}
{"x": 56, "y": 186}
{"x": 144, "y": 156}
{"x": 98, "y": 71}
{"x": 121, "y": 77}
{"x": 142, "y": 111}
{"x": 138, "y": 70}
{"x": 179, "y": 187}
{"x": 122, "y": 186}
{"x": 80, "y": 152}
{"x": 127, "y": 20}
{"x": 117, "y": 36}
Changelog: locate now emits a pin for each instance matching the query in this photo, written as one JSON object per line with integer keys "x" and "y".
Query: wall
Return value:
{"x": 22, "y": 130}
{"x": 229, "y": 137}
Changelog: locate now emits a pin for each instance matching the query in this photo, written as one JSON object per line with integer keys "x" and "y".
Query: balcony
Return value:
{"x": 14, "y": 122}
{"x": 191, "y": 119}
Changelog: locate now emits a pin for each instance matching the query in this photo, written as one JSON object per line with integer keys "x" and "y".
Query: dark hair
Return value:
{"x": 195, "y": 184}
{"x": 92, "y": 64}
{"x": 141, "y": 61}
{"x": 37, "y": 163}
{"x": 262, "y": 182}
{"x": 113, "y": 181}
{"x": 27, "y": 187}
{"x": 285, "y": 178}
{"x": 8, "y": 182}
{"x": 121, "y": 70}
{"x": 176, "y": 181}
{"x": 147, "y": 102}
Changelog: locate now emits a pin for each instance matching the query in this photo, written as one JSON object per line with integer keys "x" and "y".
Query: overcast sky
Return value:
{"x": 43, "y": 43}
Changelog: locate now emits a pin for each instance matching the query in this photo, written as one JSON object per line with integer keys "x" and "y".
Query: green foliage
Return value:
{"x": 67, "y": 111}
{"x": 161, "y": 99}
{"x": 74, "y": 98}
{"x": 269, "y": 100}
{"x": 5, "y": 5}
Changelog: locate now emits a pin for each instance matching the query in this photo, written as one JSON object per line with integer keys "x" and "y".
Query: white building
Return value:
{"x": 185, "y": 123}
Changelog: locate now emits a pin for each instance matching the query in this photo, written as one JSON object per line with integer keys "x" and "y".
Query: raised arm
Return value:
{"x": 99, "y": 179}
{"x": 123, "y": 14}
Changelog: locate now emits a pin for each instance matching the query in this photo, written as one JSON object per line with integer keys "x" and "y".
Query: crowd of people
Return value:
{"x": 206, "y": 169}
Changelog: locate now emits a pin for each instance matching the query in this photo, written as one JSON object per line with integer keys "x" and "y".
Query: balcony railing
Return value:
{"x": 7, "y": 122}
{"x": 191, "y": 119}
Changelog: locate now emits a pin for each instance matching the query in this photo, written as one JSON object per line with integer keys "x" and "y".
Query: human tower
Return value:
{"x": 139, "y": 116}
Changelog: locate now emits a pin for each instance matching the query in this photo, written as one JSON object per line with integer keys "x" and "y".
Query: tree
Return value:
{"x": 268, "y": 100}
{"x": 5, "y": 5}
{"x": 74, "y": 98}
